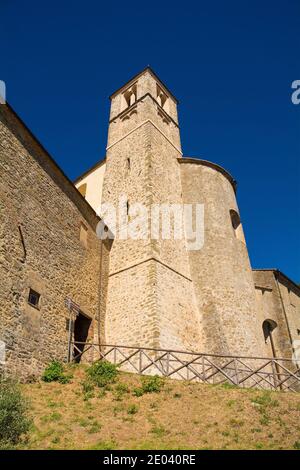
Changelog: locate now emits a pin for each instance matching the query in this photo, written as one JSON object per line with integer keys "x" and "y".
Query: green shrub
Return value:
{"x": 102, "y": 373}
{"x": 94, "y": 428}
{"x": 119, "y": 391}
{"x": 264, "y": 420}
{"x": 228, "y": 385}
{"x": 138, "y": 392}
{"x": 118, "y": 409}
{"x": 235, "y": 423}
{"x": 104, "y": 445}
{"x": 55, "y": 416}
{"x": 153, "y": 406}
{"x": 87, "y": 386}
{"x": 13, "y": 414}
{"x": 101, "y": 393}
{"x": 152, "y": 384}
{"x": 83, "y": 422}
{"x": 159, "y": 431}
{"x": 54, "y": 372}
{"x": 122, "y": 388}
{"x": 55, "y": 440}
{"x": 265, "y": 400}
{"x": 296, "y": 445}
{"x": 132, "y": 409}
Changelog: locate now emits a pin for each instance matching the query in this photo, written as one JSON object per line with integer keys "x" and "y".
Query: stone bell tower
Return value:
{"x": 150, "y": 299}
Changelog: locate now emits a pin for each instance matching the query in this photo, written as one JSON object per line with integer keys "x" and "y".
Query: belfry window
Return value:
{"x": 161, "y": 97}
{"x": 129, "y": 97}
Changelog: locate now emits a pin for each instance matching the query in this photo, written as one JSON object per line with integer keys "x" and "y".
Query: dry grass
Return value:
{"x": 181, "y": 416}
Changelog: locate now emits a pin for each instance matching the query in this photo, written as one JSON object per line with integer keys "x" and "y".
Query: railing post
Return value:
{"x": 203, "y": 369}
{"x": 236, "y": 372}
{"x": 274, "y": 374}
{"x": 168, "y": 363}
{"x": 140, "y": 361}
{"x": 70, "y": 338}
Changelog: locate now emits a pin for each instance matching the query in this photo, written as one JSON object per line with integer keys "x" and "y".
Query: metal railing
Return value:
{"x": 242, "y": 371}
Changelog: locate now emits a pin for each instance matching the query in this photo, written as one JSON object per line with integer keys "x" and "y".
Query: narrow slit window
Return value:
{"x": 83, "y": 235}
{"x": 236, "y": 225}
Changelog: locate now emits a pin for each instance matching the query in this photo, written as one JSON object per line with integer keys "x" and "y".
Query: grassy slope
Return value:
{"x": 182, "y": 416}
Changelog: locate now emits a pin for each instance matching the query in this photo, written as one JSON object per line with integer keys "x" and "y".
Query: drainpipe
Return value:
{"x": 276, "y": 273}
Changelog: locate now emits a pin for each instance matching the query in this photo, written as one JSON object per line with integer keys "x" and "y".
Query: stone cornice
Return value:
{"x": 212, "y": 165}
{"x": 137, "y": 127}
{"x": 152, "y": 258}
{"x": 130, "y": 108}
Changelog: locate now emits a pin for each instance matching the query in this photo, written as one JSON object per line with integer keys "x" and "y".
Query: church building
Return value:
{"x": 61, "y": 282}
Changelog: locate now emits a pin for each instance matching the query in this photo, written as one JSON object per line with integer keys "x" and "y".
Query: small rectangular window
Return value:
{"x": 34, "y": 298}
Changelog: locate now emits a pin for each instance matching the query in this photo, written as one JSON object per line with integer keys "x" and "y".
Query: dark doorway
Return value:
{"x": 268, "y": 327}
{"x": 81, "y": 331}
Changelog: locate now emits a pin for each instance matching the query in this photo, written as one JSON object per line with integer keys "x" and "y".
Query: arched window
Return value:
{"x": 161, "y": 97}
{"x": 129, "y": 97}
{"x": 237, "y": 226}
{"x": 268, "y": 327}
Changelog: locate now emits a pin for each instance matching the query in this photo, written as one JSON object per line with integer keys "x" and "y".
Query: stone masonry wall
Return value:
{"x": 278, "y": 301}
{"x": 221, "y": 269}
{"x": 290, "y": 297}
{"x": 40, "y": 248}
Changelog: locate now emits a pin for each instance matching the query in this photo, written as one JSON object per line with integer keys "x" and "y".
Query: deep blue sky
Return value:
{"x": 230, "y": 63}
